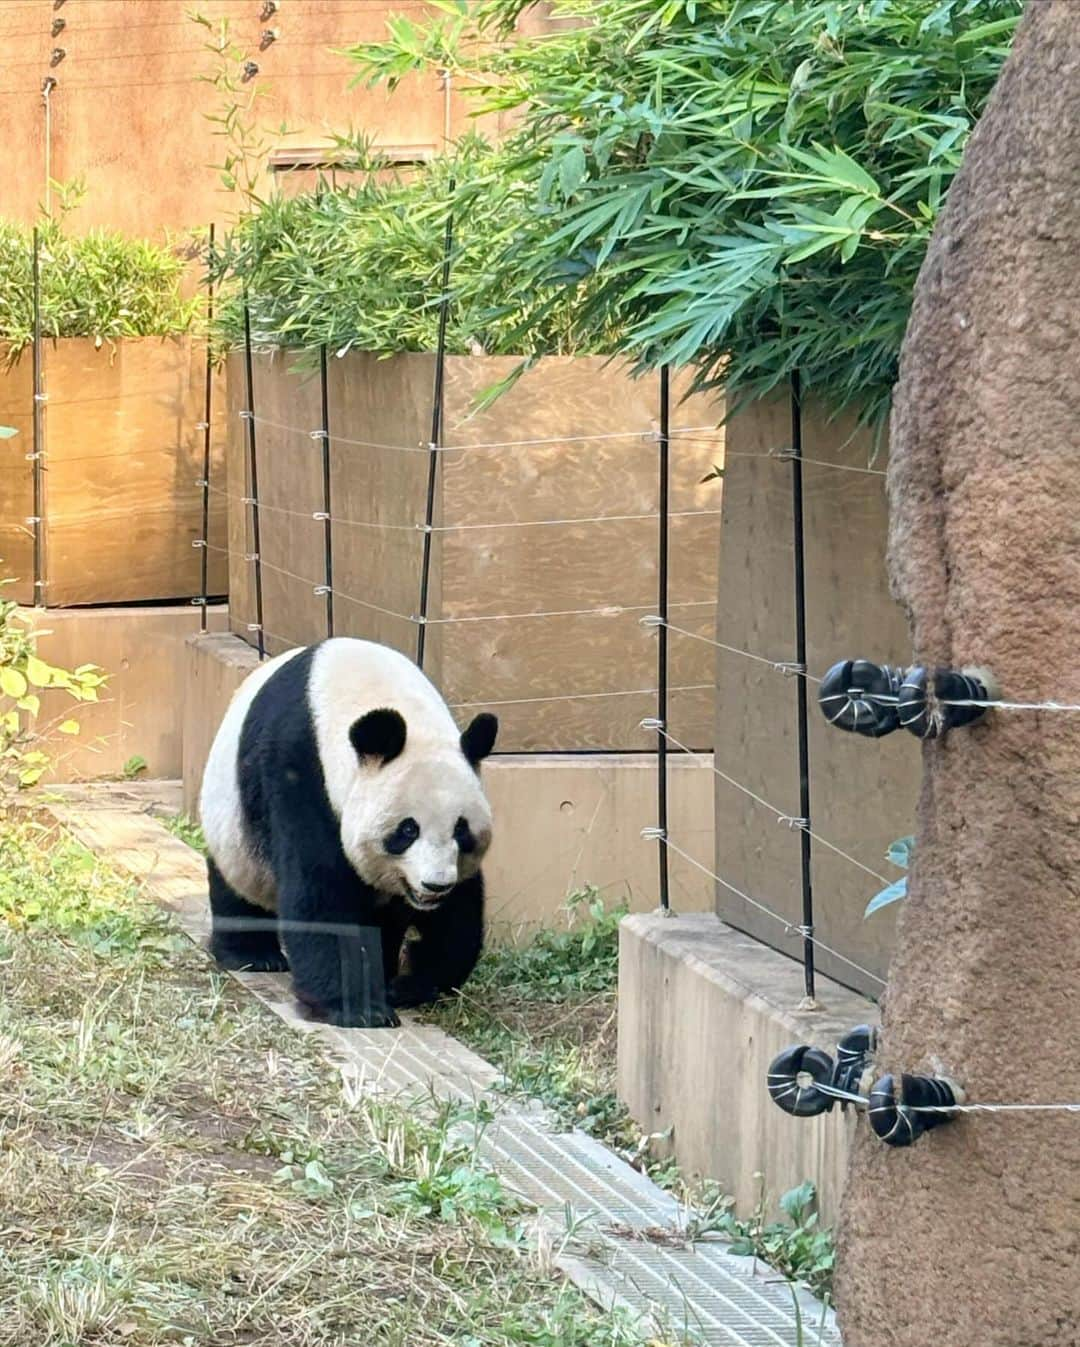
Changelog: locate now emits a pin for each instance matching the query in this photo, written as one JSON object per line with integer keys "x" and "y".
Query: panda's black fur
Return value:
{"x": 291, "y": 830}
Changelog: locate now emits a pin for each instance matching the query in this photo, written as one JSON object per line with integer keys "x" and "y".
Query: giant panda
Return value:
{"x": 338, "y": 793}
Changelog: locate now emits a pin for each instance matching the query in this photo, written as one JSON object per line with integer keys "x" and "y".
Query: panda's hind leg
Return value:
{"x": 243, "y": 935}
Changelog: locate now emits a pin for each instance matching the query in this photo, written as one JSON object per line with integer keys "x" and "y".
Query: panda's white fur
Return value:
{"x": 430, "y": 781}
{"x": 220, "y": 812}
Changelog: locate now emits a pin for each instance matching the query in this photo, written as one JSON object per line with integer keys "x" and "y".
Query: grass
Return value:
{"x": 545, "y": 1013}
{"x": 179, "y": 1168}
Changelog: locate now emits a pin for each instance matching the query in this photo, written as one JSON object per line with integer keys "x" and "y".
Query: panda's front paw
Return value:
{"x": 408, "y": 990}
{"x": 377, "y": 1019}
{"x": 351, "y": 1017}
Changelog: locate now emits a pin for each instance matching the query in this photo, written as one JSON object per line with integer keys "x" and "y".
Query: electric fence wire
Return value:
{"x": 791, "y": 820}
{"x": 790, "y": 928}
{"x": 860, "y": 1100}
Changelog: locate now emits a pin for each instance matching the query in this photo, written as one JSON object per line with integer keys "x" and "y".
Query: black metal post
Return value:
{"x": 204, "y": 576}
{"x": 253, "y": 473}
{"x": 38, "y": 437}
{"x": 328, "y": 542}
{"x": 800, "y": 686}
{"x": 437, "y": 401}
{"x": 662, "y": 636}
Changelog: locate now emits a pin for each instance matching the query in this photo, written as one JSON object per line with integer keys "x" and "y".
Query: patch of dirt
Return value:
{"x": 589, "y": 1025}
{"x": 159, "y": 1159}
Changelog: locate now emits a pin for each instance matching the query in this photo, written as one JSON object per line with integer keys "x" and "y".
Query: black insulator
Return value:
{"x": 802, "y": 1100}
{"x": 860, "y": 697}
{"x": 896, "y": 1119}
{"x": 853, "y": 1054}
{"x": 927, "y": 717}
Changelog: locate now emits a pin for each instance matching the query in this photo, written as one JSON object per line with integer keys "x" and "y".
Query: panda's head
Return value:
{"x": 416, "y": 824}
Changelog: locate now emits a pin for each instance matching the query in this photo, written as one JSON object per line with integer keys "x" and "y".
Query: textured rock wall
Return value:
{"x": 971, "y": 1238}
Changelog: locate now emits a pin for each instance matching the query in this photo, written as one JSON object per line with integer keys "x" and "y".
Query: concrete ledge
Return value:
{"x": 703, "y": 1010}
{"x": 142, "y": 651}
{"x": 215, "y": 664}
{"x": 563, "y": 821}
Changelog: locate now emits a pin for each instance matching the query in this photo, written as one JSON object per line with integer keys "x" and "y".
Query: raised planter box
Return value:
{"x": 523, "y": 460}
{"x": 123, "y": 453}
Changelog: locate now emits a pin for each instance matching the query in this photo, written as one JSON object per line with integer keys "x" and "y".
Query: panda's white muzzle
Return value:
{"x": 428, "y": 897}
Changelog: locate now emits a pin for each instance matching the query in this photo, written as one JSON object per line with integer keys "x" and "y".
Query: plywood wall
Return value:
{"x": 17, "y": 480}
{"x": 862, "y": 791}
{"x": 123, "y": 454}
{"x": 514, "y": 589}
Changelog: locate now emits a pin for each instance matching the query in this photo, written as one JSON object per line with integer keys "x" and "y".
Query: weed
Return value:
{"x": 50, "y": 882}
{"x": 545, "y": 1014}
{"x": 797, "y": 1247}
{"x": 134, "y": 767}
{"x": 188, "y": 831}
{"x": 561, "y": 965}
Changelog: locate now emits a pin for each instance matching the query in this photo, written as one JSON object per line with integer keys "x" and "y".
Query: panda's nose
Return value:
{"x": 432, "y": 886}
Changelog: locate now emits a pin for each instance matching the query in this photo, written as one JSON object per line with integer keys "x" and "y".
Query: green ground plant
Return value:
{"x": 543, "y": 1010}
{"x": 796, "y": 1246}
{"x": 187, "y": 829}
{"x": 24, "y": 675}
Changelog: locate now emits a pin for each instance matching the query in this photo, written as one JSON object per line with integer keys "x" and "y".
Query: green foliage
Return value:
{"x": 100, "y": 285}
{"x": 24, "y": 675}
{"x": 580, "y": 960}
{"x": 797, "y": 1247}
{"x": 361, "y": 266}
{"x": 61, "y": 888}
{"x": 235, "y": 123}
{"x": 188, "y": 831}
{"x": 543, "y": 1011}
{"x": 747, "y": 186}
{"x": 900, "y": 853}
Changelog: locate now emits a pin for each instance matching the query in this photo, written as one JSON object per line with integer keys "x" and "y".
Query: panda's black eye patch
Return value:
{"x": 463, "y": 836}
{"x": 402, "y": 838}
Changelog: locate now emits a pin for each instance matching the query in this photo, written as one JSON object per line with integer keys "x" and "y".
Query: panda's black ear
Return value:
{"x": 379, "y": 734}
{"x": 478, "y": 738}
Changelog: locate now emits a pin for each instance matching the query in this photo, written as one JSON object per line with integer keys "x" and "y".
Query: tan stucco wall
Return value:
{"x": 862, "y": 791}
{"x": 129, "y": 113}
